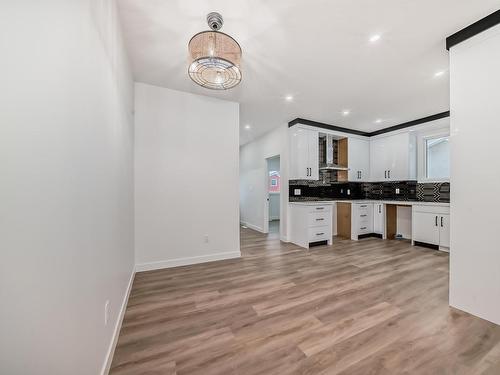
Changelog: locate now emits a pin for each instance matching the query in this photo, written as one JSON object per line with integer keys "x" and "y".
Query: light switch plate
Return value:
{"x": 296, "y": 192}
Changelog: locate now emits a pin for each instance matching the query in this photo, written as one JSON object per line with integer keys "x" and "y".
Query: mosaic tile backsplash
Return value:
{"x": 395, "y": 190}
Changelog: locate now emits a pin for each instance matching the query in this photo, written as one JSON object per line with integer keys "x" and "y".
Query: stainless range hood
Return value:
{"x": 330, "y": 165}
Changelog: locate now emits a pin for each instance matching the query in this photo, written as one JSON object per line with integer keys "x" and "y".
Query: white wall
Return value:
{"x": 475, "y": 175}
{"x": 253, "y": 178}
{"x": 403, "y": 223}
{"x": 186, "y": 178}
{"x": 66, "y": 190}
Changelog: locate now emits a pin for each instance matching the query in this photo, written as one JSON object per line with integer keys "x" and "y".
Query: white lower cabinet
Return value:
{"x": 361, "y": 219}
{"x": 379, "y": 218}
{"x": 311, "y": 223}
{"x": 444, "y": 231}
{"x": 431, "y": 225}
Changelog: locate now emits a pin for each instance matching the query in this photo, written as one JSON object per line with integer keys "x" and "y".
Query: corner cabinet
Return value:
{"x": 393, "y": 158}
{"x": 304, "y": 153}
{"x": 358, "y": 151}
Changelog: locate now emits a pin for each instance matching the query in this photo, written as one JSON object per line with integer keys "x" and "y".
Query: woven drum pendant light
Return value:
{"x": 215, "y": 57}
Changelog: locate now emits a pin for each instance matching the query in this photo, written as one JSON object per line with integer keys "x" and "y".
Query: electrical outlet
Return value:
{"x": 206, "y": 238}
{"x": 348, "y": 191}
{"x": 397, "y": 190}
{"x": 297, "y": 192}
{"x": 106, "y": 313}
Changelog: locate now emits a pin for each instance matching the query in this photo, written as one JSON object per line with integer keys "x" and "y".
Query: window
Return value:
{"x": 437, "y": 158}
{"x": 274, "y": 182}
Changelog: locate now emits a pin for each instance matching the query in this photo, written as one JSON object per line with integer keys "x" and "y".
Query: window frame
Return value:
{"x": 422, "y": 155}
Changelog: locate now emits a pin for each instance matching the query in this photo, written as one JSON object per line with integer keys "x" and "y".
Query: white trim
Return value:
{"x": 254, "y": 227}
{"x": 186, "y": 261}
{"x": 112, "y": 346}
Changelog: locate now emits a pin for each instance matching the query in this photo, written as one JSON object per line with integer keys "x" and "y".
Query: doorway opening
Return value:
{"x": 273, "y": 195}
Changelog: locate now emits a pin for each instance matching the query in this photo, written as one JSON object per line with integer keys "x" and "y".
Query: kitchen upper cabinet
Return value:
{"x": 304, "y": 154}
{"x": 358, "y": 151}
{"x": 393, "y": 158}
{"x": 431, "y": 225}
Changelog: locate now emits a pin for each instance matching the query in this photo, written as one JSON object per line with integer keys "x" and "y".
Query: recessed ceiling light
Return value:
{"x": 248, "y": 127}
{"x": 289, "y": 98}
{"x": 374, "y": 38}
{"x": 346, "y": 112}
{"x": 378, "y": 121}
{"x": 439, "y": 74}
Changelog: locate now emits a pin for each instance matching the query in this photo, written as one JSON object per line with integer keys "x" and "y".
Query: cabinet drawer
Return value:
{"x": 318, "y": 219}
{"x": 320, "y": 209}
{"x": 320, "y": 233}
{"x": 361, "y": 208}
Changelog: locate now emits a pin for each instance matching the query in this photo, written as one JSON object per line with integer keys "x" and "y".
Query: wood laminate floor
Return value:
{"x": 366, "y": 307}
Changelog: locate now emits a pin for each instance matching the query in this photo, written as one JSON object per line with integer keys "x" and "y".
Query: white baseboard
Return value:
{"x": 186, "y": 261}
{"x": 112, "y": 346}
{"x": 254, "y": 227}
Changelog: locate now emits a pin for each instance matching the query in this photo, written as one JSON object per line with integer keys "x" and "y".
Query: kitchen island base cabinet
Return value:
{"x": 311, "y": 224}
{"x": 431, "y": 225}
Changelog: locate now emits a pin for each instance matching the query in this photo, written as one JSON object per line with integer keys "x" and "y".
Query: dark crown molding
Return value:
{"x": 408, "y": 124}
{"x": 477, "y": 27}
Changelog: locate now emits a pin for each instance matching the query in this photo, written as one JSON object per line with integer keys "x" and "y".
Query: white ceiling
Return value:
{"x": 316, "y": 50}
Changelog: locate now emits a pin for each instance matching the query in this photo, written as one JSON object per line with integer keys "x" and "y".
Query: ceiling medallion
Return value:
{"x": 215, "y": 57}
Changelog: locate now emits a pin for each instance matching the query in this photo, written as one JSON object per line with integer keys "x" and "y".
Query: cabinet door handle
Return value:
{"x": 322, "y": 208}
{"x": 388, "y": 174}
{"x": 319, "y": 234}
{"x": 385, "y": 174}
{"x": 320, "y": 219}
{"x": 364, "y": 215}
{"x": 379, "y": 209}
{"x": 436, "y": 221}
{"x": 441, "y": 221}
{"x": 363, "y": 228}
{"x": 360, "y": 175}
